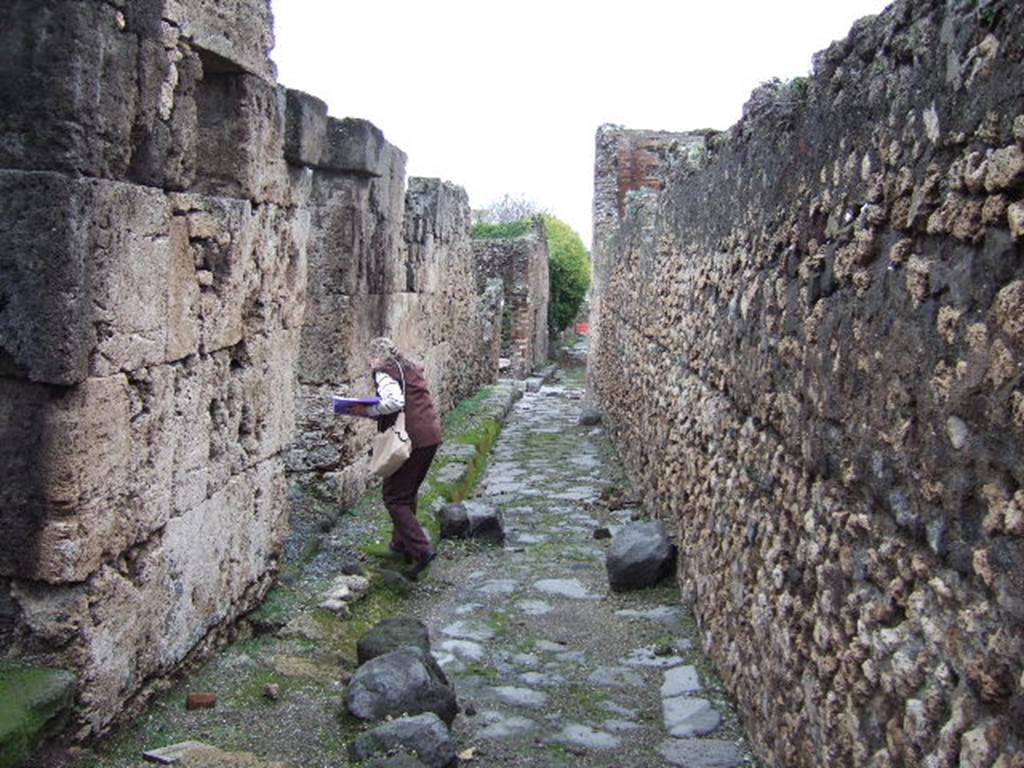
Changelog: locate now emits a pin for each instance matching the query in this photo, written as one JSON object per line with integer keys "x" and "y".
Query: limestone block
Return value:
{"x": 44, "y": 330}
{"x": 238, "y": 31}
{"x": 279, "y": 263}
{"x": 67, "y": 455}
{"x": 130, "y": 276}
{"x": 220, "y": 238}
{"x": 95, "y": 279}
{"x": 334, "y": 339}
{"x": 68, "y": 87}
{"x": 241, "y": 137}
{"x": 166, "y": 121}
{"x": 354, "y": 239}
{"x": 305, "y": 129}
{"x": 204, "y": 568}
{"x": 358, "y": 146}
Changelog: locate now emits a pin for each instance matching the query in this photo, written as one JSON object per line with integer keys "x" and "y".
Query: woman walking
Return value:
{"x": 402, "y": 384}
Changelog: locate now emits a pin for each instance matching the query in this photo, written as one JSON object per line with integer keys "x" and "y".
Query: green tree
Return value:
{"x": 568, "y": 272}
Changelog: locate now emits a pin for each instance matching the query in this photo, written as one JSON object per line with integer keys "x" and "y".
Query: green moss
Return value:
{"x": 31, "y": 700}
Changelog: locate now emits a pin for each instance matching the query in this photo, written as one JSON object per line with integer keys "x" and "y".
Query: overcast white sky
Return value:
{"x": 506, "y": 97}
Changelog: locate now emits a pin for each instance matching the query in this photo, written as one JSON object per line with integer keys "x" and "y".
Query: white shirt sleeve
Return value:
{"x": 392, "y": 400}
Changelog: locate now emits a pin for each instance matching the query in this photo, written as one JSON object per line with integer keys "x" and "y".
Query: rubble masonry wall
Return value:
{"x": 810, "y": 353}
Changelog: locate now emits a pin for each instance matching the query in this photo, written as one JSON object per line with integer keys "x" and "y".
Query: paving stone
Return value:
{"x": 527, "y": 660}
{"x": 579, "y": 735}
{"x": 541, "y": 678}
{"x": 679, "y": 681}
{"x": 685, "y": 717}
{"x": 701, "y": 753}
{"x": 565, "y": 588}
{"x": 531, "y": 538}
{"x": 469, "y": 630}
{"x": 646, "y": 657}
{"x": 534, "y": 607}
{"x": 616, "y": 677}
{"x": 497, "y": 587}
{"x": 617, "y": 709}
{"x": 620, "y": 726}
{"x": 549, "y": 646}
{"x": 465, "y": 649}
{"x": 498, "y": 726}
{"x": 520, "y": 697}
{"x": 663, "y": 614}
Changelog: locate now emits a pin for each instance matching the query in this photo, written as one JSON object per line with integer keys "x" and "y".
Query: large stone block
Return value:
{"x": 238, "y": 32}
{"x": 45, "y": 332}
{"x": 358, "y": 147}
{"x": 241, "y": 137}
{"x": 68, "y": 87}
{"x": 66, "y": 453}
{"x": 305, "y": 129}
{"x": 96, "y": 278}
{"x": 166, "y": 126}
{"x": 202, "y": 570}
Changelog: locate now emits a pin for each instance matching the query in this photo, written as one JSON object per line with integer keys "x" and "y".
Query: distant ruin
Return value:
{"x": 192, "y": 258}
{"x": 521, "y": 264}
{"x": 816, "y": 318}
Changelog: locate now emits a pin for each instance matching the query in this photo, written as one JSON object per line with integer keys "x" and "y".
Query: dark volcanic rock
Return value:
{"x": 423, "y": 735}
{"x": 472, "y": 520}
{"x": 403, "y": 682}
{"x": 589, "y": 416}
{"x": 390, "y": 635}
{"x": 640, "y": 556}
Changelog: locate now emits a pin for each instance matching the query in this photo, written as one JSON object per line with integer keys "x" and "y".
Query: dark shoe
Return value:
{"x": 399, "y": 552}
{"x": 422, "y": 565}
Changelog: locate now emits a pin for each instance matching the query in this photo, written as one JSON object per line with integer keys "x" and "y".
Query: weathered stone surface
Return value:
{"x": 406, "y": 681}
{"x": 472, "y": 520}
{"x": 358, "y": 147}
{"x": 238, "y": 32}
{"x": 72, "y": 108}
{"x": 701, "y": 753}
{"x": 305, "y": 129}
{"x": 424, "y": 735}
{"x": 589, "y": 416}
{"x": 640, "y": 556}
{"x": 390, "y": 635}
{"x": 241, "y": 138}
{"x": 824, "y": 299}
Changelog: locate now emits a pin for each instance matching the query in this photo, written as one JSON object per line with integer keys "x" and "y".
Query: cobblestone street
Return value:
{"x": 552, "y": 668}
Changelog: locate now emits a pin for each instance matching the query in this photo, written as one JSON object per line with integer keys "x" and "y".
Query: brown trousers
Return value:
{"x": 400, "y": 492}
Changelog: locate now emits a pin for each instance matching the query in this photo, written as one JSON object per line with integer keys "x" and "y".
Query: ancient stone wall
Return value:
{"x": 816, "y": 323}
{"x": 161, "y": 201}
{"x": 522, "y": 265}
{"x": 381, "y": 262}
